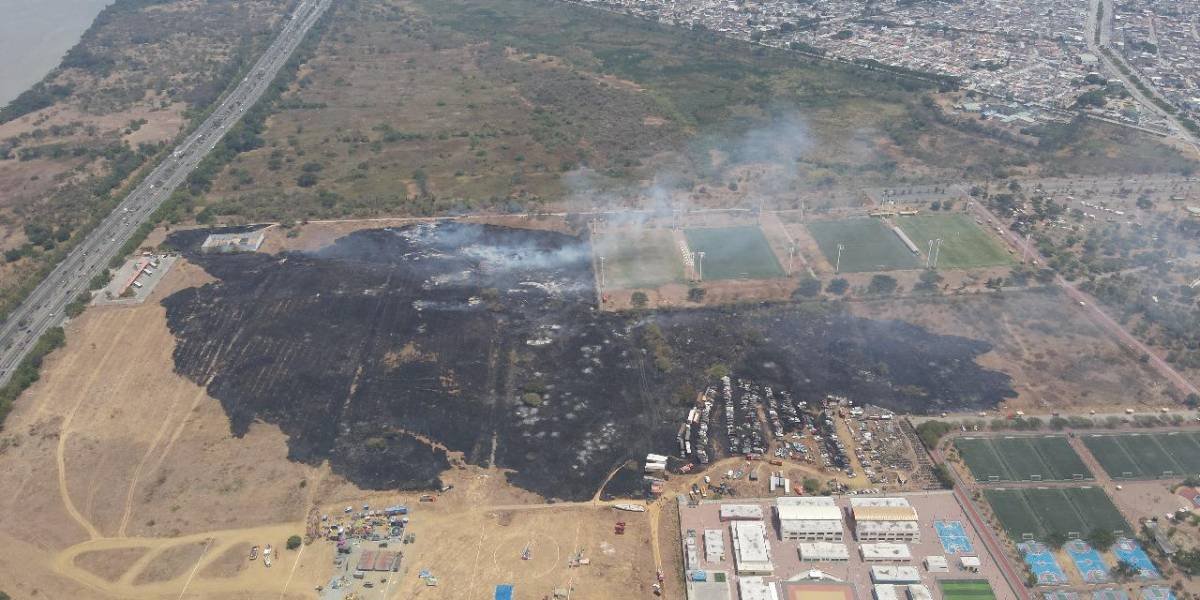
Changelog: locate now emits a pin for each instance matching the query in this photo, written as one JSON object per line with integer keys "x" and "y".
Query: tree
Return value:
{"x": 1056, "y": 539}
{"x": 837, "y": 286}
{"x": 1123, "y": 571}
{"x": 811, "y": 485}
{"x": 942, "y": 473}
{"x": 639, "y": 299}
{"x": 930, "y": 432}
{"x": 1101, "y": 539}
{"x": 306, "y": 180}
{"x": 294, "y": 542}
{"x": 808, "y": 288}
{"x": 696, "y": 294}
{"x": 882, "y": 285}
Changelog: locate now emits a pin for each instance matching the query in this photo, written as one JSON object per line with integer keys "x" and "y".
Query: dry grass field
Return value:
{"x": 1058, "y": 358}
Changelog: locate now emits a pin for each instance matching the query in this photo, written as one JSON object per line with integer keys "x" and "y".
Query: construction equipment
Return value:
{"x": 527, "y": 553}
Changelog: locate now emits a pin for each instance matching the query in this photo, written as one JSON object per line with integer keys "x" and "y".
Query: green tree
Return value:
{"x": 294, "y": 542}
{"x": 1101, "y": 539}
{"x": 808, "y": 288}
{"x": 696, "y": 294}
{"x": 639, "y": 299}
{"x": 1056, "y": 539}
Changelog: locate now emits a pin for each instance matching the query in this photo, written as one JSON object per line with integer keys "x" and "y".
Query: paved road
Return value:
{"x": 45, "y": 306}
{"x": 1090, "y": 305}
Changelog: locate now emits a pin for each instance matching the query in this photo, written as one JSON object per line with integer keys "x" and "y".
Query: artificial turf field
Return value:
{"x": 734, "y": 253}
{"x": 965, "y": 245}
{"x": 1146, "y": 455}
{"x": 966, "y": 589}
{"x": 639, "y": 258}
{"x": 869, "y": 245}
{"x": 1048, "y": 458}
{"x": 1039, "y": 511}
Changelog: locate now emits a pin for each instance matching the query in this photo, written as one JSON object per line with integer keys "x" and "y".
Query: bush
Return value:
{"x": 942, "y": 473}
{"x": 838, "y": 286}
{"x": 696, "y": 294}
{"x": 532, "y": 399}
{"x": 882, "y": 285}
{"x": 931, "y": 432}
{"x": 808, "y": 288}
{"x": 639, "y": 299}
{"x": 294, "y": 542}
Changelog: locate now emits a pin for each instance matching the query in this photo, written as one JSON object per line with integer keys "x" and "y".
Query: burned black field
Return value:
{"x": 484, "y": 340}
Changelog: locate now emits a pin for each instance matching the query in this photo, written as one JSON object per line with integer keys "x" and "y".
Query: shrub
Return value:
{"x": 294, "y": 542}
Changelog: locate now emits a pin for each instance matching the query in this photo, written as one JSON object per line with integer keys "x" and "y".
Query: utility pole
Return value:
{"x": 937, "y": 251}
{"x": 601, "y": 273}
{"x": 929, "y": 255}
{"x": 700, "y": 266}
{"x": 791, "y": 259}
{"x": 837, "y": 268}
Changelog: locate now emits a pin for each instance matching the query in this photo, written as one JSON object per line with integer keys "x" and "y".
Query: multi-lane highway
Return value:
{"x": 44, "y": 308}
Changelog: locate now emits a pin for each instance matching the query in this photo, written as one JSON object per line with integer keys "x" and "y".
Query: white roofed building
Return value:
{"x": 812, "y": 518}
{"x": 885, "y": 520}
{"x": 714, "y": 545}
{"x": 751, "y": 552}
{"x": 741, "y": 512}
{"x": 823, "y": 552}
{"x": 884, "y": 552}
{"x": 755, "y": 588}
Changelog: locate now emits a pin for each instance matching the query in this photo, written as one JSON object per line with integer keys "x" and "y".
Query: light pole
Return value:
{"x": 791, "y": 259}
{"x": 937, "y": 251}
{"x": 601, "y": 273}
{"x": 837, "y": 268}
{"x": 929, "y": 255}
{"x": 700, "y": 266}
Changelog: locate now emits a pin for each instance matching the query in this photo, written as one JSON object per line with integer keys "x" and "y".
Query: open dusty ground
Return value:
{"x": 121, "y": 480}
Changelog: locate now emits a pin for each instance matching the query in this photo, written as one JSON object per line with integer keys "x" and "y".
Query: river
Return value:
{"x": 34, "y": 35}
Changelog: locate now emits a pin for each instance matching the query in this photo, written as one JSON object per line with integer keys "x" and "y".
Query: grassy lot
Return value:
{"x": 1096, "y": 509}
{"x": 645, "y": 258}
{"x": 968, "y": 589}
{"x": 964, "y": 244}
{"x": 1060, "y": 457}
{"x": 1015, "y": 515}
{"x": 981, "y": 458}
{"x": 1146, "y": 456}
{"x": 734, "y": 253}
{"x": 869, "y": 245}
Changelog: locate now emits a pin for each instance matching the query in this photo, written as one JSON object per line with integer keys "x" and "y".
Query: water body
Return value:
{"x": 34, "y": 35}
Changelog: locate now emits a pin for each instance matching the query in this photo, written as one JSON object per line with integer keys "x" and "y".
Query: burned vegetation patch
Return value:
{"x": 392, "y": 346}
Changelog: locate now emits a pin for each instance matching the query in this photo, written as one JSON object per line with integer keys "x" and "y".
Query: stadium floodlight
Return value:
{"x": 700, "y": 266}
{"x": 837, "y": 268}
{"x": 601, "y": 273}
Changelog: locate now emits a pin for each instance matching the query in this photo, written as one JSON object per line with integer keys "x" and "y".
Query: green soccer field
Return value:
{"x": 1013, "y": 458}
{"x": 1039, "y": 511}
{"x": 966, "y": 589}
{"x": 635, "y": 259}
{"x": 1146, "y": 456}
{"x": 734, "y": 253}
{"x": 869, "y": 245}
{"x": 965, "y": 245}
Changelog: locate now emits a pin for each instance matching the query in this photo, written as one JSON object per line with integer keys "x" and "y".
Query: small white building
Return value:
{"x": 970, "y": 563}
{"x": 714, "y": 545}
{"x": 937, "y": 564}
{"x": 755, "y": 588}
{"x": 741, "y": 512}
{"x": 886, "y": 591}
{"x": 884, "y": 552}
{"x": 919, "y": 592}
{"x": 895, "y": 574}
{"x": 751, "y": 552}
{"x": 823, "y": 552}
{"x": 809, "y": 518}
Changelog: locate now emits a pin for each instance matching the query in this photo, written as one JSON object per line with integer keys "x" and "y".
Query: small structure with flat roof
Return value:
{"x": 919, "y": 592}
{"x": 714, "y": 545}
{"x": 884, "y": 552}
{"x": 810, "y": 518}
{"x": 885, "y": 591}
{"x": 970, "y": 563}
{"x": 756, "y": 588}
{"x": 895, "y": 574}
{"x": 937, "y": 564}
{"x": 823, "y": 552}
{"x": 741, "y": 512}
{"x": 885, "y": 519}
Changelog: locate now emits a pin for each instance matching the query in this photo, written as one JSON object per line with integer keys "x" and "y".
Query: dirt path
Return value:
{"x": 137, "y": 471}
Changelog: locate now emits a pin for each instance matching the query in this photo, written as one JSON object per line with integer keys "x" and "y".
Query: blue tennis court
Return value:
{"x": 1132, "y": 553}
{"x": 1110, "y": 594}
{"x": 954, "y": 537}
{"x": 1042, "y": 564}
{"x": 1087, "y": 561}
{"x": 1157, "y": 593}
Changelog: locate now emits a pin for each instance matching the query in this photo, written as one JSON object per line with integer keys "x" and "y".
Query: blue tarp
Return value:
{"x": 504, "y": 592}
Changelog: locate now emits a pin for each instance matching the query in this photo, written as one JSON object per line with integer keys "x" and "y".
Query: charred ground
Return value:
{"x": 392, "y": 345}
